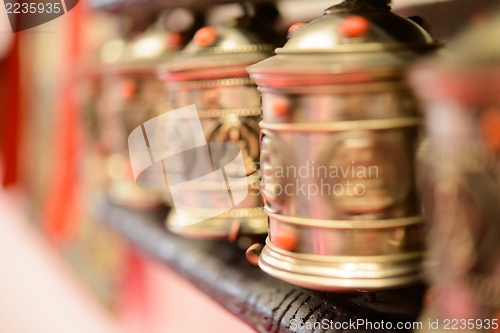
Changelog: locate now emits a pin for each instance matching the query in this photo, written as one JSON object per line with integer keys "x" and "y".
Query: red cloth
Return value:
{"x": 10, "y": 117}
{"x": 61, "y": 206}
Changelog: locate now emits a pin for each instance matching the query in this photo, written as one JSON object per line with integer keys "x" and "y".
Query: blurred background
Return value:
{"x": 63, "y": 270}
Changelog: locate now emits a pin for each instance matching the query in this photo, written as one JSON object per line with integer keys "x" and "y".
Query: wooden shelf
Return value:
{"x": 220, "y": 270}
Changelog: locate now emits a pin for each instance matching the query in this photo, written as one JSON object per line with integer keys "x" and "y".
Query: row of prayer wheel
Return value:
{"x": 363, "y": 148}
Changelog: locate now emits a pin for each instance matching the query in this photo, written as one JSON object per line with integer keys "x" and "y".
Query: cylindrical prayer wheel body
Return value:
{"x": 339, "y": 135}
{"x": 210, "y": 74}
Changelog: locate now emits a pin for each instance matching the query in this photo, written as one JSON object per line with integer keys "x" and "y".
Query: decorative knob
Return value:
{"x": 128, "y": 89}
{"x": 280, "y": 107}
{"x": 294, "y": 27}
{"x": 355, "y": 26}
{"x": 253, "y": 252}
{"x": 206, "y": 36}
{"x": 490, "y": 126}
{"x": 286, "y": 238}
{"x": 234, "y": 231}
{"x": 175, "y": 39}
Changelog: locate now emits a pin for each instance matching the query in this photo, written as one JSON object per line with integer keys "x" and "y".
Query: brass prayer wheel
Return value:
{"x": 210, "y": 73}
{"x": 460, "y": 178}
{"x": 339, "y": 132}
{"x": 131, "y": 94}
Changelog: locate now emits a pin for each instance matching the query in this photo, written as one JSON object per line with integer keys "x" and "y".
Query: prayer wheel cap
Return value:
{"x": 354, "y": 36}
{"x": 355, "y": 26}
{"x": 224, "y": 45}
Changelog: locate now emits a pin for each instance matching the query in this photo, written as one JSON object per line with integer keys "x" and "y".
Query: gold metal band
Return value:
{"x": 337, "y": 89}
{"x": 339, "y": 126}
{"x": 206, "y": 84}
{"x": 222, "y": 186}
{"x": 345, "y": 259}
{"x": 356, "y": 274}
{"x": 365, "y": 47}
{"x": 232, "y": 213}
{"x": 217, "y": 113}
{"x": 240, "y": 49}
{"x": 336, "y": 224}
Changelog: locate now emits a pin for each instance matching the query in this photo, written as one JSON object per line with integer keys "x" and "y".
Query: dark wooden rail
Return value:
{"x": 220, "y": 270}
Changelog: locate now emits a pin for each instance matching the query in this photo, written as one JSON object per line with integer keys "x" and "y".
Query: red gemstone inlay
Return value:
{"x": 355, "y": 26}
{"x": 205, "y": 36}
